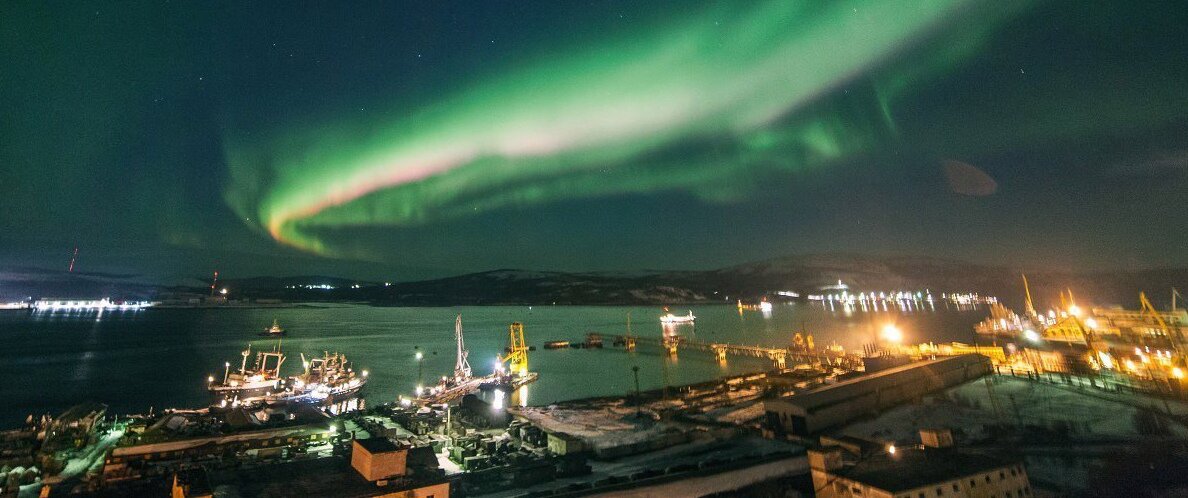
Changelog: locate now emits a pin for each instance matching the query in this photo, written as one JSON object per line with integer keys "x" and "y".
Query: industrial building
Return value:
{"x": 135, "y": 459}
{"x": 836, "y": 404}
{"x": 932, "y": 469}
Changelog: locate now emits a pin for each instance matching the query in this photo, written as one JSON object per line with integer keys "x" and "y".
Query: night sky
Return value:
{"x": 401, "y": 140}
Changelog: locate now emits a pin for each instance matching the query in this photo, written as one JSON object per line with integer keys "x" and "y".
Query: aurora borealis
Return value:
{"x": 428, "y": 140}
{"x": 545, "y": 132}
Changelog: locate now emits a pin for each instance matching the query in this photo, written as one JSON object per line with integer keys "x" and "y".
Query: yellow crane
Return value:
{"x": 517, "y": 350}
{"x": 1149, "y": 310}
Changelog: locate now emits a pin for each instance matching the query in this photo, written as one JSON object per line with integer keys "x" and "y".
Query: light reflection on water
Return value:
{"x": 162, "y": 357}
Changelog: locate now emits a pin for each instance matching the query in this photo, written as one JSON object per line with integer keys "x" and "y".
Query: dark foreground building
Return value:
{"x": 929, "y": 470}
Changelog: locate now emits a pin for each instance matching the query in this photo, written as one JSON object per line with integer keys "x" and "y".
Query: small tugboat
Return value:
{"x": 274, "y": 331}
{"x": 246, "y": 385}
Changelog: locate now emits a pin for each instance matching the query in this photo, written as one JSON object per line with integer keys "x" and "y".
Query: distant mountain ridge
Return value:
{"x": 748, "y": 281}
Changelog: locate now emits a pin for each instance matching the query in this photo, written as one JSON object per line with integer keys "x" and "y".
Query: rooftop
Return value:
{"x": 844, "y": 390}
{"x": 321, "y": 477}
{"x": 911, "y": 468}
{"x": 378, "y": 445}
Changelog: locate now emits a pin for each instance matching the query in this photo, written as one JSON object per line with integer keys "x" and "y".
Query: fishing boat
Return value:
{"x": 247, "y": 385}
{"x": 328, "y": 379}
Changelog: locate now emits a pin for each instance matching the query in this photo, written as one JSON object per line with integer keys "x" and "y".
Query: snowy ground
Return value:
{"x": 744, "y": 412}
{"x": 602, "y": 427}
{"x": 1097, "y": 424}
{"x": 1008, "y": 401}
{"x": 718, "y": 483}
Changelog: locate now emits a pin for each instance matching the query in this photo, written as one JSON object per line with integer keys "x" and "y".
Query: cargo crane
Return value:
{"x": 1027, "y": 291}
{"x": 462, "y": 370}
{"x": 517, "y": 351}
{"x": 1148, "y": 310}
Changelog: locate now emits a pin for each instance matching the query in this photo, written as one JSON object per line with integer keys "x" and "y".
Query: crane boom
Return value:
{"x": 1027, "y": 292}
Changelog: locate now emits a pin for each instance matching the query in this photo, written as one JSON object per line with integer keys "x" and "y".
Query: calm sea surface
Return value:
{"x": 161, "y": 357}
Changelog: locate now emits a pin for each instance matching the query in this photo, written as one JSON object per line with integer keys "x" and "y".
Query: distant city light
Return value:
{"x": 88, "y": 305}
{"x": 311, "y": 287}
{"x": 891, "y": 449}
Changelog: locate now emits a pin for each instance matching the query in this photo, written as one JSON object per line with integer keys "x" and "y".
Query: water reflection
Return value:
{"x": 132, "y": 350}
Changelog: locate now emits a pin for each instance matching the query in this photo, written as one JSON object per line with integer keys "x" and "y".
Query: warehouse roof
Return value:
{"x": 860, "y": 386}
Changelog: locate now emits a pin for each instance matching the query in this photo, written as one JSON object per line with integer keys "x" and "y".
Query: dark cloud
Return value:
{"x": 967, "y": 179}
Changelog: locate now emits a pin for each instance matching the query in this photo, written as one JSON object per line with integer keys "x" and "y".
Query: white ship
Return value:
{"x": 674, "y": 319}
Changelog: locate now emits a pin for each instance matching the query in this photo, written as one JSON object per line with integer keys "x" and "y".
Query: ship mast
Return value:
{"x": 462, "y": 367}
{"x": 247, "y": 352}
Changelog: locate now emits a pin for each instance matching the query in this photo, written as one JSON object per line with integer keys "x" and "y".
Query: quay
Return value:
{"x": 780, "y": 357}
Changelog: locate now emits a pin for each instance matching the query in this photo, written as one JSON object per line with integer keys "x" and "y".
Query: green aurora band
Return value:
{"x": 705, "y": 104}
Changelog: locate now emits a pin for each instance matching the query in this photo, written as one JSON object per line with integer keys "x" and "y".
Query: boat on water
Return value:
{"x": 1005, "y": 323}
{"x": 763, "y": 305}
{"x": 670, "y": 318}
{"x": 325, "y": 381}
{"x": 275, "y": 330}
{"x": 245, "y": 385}
{"x": 507, "y": 382}
{"x": 328, "y": 379}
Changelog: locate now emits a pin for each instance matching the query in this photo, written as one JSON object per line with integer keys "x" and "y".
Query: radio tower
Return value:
{"x": 72, "y": 258}
{"x": 462, "y": 368}
{"x": 214, "y": 282}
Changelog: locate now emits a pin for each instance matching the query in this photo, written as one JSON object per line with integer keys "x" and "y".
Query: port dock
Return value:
{"x": 781, "y": 357}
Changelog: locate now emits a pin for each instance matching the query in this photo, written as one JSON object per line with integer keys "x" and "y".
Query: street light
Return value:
{"x": 638, "y": 409}
{"x": 892, "y": 334}
{"x": 420, "y": 368}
